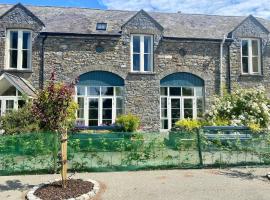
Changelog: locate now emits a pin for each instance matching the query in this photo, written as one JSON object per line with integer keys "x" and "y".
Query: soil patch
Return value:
{"x": 54, "y": 191}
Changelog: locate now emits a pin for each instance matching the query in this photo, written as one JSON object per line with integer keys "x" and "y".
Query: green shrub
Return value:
{"x": 188, "y": 124}
{"x": 128, "y": 123}
{"x": 19, "y": 121}
{"x": 242, "y": 107}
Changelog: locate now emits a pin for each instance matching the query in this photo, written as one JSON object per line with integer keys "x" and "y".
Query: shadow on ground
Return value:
{"x": 243, "y": 175}
{"x": 14, "y": 185}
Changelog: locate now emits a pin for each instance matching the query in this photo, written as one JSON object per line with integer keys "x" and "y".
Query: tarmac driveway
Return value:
{"x": 207, "y": 184}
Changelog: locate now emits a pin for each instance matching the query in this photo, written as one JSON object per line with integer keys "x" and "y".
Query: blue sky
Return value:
{"x": 260, "y": 8}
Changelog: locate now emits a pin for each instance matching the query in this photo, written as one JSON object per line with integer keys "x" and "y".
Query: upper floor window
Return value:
{"x": 141, "y": 53}
{"x": 18, "y": 51}
{"x": 251, "y": 56}
{"x": 101, "y": 26}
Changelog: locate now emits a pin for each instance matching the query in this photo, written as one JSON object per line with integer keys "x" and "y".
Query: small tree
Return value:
{"x": 55, "y": 108}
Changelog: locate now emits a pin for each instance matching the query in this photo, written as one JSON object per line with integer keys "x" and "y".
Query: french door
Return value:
{"x": 101, "y": 111}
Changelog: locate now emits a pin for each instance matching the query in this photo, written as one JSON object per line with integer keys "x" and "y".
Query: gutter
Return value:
{"x": 42, "y": 67}
{"x": 80, "y": 34}
{"x": 221, "y": 65}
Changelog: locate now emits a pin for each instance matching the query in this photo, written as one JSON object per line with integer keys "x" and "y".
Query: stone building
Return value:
{"x": 158, "y": 66}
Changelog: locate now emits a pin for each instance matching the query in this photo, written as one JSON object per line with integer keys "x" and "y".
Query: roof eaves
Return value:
{"x": 80, "y": 34}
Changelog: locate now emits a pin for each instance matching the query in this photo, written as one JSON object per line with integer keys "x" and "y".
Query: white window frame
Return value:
{"x": 6, "y": 98}
{"x": 19, "y": 50}
{"x": 100, "y": 98}
{"x": 250, "y": 56}
{"x": 181, "y": 98}
{"x": 142, "y": 53}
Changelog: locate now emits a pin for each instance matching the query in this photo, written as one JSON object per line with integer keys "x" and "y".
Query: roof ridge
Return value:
{"x": 150, "y": 12}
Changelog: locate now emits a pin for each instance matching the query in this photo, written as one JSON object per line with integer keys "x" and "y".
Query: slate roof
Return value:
{"x": 83, "y": 21}
{"x": 21, "y": 84}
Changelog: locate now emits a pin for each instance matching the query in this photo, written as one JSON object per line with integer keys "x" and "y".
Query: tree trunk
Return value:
{"x": 64, "y": 158}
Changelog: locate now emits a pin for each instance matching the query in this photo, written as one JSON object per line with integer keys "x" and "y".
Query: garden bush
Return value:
{"x": 20, "y": 121}
{"x": 242, "y": 107}
{"x": 187, "y": 124}
{"x": 128, "y": 123}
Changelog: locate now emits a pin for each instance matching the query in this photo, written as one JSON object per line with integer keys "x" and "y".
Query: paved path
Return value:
{"x": 230, "y": 184}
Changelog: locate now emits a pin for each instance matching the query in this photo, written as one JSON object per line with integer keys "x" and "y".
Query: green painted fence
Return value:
{"x": 209, "y": 147}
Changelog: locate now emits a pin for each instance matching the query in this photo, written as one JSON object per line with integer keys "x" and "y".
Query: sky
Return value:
{"x": 259, "y": 8}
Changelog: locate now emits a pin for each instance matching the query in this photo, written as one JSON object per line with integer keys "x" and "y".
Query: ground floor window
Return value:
{"x": 99, "y": 105}
{"x": 179, "y": 103}
{"x": 10, "y": 100}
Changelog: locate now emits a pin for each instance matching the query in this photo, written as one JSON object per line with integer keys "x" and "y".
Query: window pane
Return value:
{"x": 175, "y": 91}
{"x": 93, "y": 103}
{"x": 13, "y": 39}
{"x": 107, "y": 114}
{"x": 136, "y": 62}
{"x": 136, "y": 44}
{"x": 164, "y": 124}
{"x": 175, "y": 103}
{"x": 80, "y": 90}
{"x": 119, "y": 112}
{"x": 188, "y": 113}
{"x": 244, "y": 47}
{"x": 107, "y": 103}
{"x": 107, "y": 91}
{"x": 254, "y": 47}
{"x": 199, "y": 91}
{"x": 255, "y": 64}
{"x": 188, "y": 103}
{"x": 175, "y": 113}
{"x": 245, "y": 64}
{"x": 119, "y": 91}
{"x": 26, "y": 40}
{"x": 119, "y": 103}
{"x": 21, "y": 103}
{"x": 164, "y": 113}
{"x": 187, "y": 91}
{"x": 147, "y": 62}
{"x": 25, "y": 57}
{"x": 80, "y": 112}
{"x": 163, "y": 102}
{"x": 163, "y": 91}
{"x": 94, "y": 91}
{"x": 147, "y": 44}
{"x": 9, "y": 105}
{"x": 13, "y": 58}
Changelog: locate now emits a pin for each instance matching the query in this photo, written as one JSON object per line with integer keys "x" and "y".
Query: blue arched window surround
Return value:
{"x": 182, "y": 79}
{"x": 100, "y": 78}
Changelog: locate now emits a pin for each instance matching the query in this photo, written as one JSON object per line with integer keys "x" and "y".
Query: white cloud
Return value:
{"x": 259, "y": 8}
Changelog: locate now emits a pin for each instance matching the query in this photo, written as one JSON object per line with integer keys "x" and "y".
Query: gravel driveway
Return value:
{"x": 206, "y": 184}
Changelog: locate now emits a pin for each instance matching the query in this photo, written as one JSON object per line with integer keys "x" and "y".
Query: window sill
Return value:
{"x": 18, "y": 70}
{"x": 142, "y": 73}
{"x": 251, "y": 75}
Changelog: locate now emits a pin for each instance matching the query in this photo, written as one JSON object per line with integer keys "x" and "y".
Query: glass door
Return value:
{"x": 188, "y": 108}
{"x": 175, "y": 110}
{"x": 93, "y": 112}
{"x": 107, "y": 111}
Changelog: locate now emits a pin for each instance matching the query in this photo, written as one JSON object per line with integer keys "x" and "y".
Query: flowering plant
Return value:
{"x": 241, "y": 107}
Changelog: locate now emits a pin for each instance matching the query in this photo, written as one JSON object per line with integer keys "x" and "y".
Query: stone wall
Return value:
{"x": 250, "y": 28}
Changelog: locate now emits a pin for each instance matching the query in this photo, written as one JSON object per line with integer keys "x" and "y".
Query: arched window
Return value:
{"x": 181, "y": 96}
{"x": 100, "y": 98}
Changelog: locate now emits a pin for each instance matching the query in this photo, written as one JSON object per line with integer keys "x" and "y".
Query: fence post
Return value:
{"x": 199, "y": 146}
